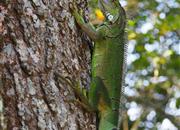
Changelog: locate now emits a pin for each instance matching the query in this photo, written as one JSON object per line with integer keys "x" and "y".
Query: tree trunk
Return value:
{"x": 39, "y": 43}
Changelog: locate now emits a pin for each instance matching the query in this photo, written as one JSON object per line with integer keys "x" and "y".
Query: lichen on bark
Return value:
{"x": 39, "y": 39}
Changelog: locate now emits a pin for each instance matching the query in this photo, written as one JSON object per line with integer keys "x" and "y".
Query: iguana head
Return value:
{"x": 104, "y": 10}
{"x": 110, "y": 9}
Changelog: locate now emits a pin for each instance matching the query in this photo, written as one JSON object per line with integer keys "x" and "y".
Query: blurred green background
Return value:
{"x": 153, "y": 71}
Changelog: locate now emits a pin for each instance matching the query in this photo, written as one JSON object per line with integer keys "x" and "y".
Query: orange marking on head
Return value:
{"x": 99, "y": 14}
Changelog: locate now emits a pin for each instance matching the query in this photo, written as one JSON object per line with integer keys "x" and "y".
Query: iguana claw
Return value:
{"x": 72, "y": 6}
{"x": 74, "y": 9}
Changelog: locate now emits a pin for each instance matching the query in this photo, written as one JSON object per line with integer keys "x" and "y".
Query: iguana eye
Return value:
{"x": 109, "y": 16}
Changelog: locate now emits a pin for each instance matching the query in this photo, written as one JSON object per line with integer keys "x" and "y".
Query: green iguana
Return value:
{"x": 108, "y": 62}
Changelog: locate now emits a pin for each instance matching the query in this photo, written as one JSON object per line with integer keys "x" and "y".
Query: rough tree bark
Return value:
{"x": 38, "y": 43}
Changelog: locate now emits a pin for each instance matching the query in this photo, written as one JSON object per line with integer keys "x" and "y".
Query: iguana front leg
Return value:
{"x": 86, "y": 27}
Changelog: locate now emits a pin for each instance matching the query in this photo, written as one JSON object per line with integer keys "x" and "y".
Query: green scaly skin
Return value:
{"x": 107, "y": 63}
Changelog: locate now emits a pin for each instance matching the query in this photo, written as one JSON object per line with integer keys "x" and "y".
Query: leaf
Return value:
{"x": 178, "y": 103}
{"x": 161, "y": 90}
{"x": 141, "y": 63}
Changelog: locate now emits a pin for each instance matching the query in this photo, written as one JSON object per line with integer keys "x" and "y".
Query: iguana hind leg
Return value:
{"x": 98, "y": 95}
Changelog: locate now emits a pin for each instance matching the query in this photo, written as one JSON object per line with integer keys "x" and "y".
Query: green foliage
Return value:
{"x": 178, "y": 103}
{"x": 155, "y": 72}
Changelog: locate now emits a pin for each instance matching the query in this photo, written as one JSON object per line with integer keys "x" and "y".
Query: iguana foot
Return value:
{"x": 74, "y": 9}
